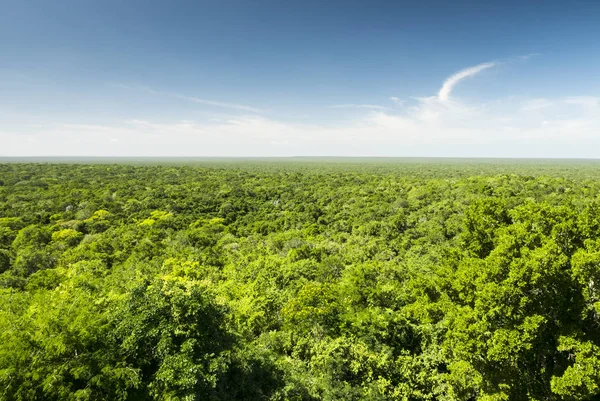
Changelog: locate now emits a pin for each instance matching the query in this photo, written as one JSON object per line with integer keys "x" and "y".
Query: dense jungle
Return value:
{"x": 300, "y": 279}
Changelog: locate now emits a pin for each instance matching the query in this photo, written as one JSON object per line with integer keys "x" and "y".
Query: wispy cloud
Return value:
{"x": 428, "y": 127}
{"x": 535, "y": 104}
{"x": 397, "y": 101}
{"x": 437, "y": 125}
{"x": 193, "y": 99}
{"x": 528, "y": 56}
{"x": 588, "y": 102}
{"x": 219, "y": 104}
{"x": 141, "y": 88}
{"x": 358, "y": 106}
{"x": 453, "y": 80}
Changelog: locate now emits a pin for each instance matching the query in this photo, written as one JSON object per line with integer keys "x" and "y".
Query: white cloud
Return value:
{"x": 193, "y": 99}
{"x": 535, "y": 104}
{"x": 220, "y": 104}
{"x": 428, "y": 126}
{"x": 358, "y": 106}
{"x": 528, "y": 56}
{"x": 588, "y": 102}
{"x": 397, "y": 101}
{"x": 141, "y": 88}
{"x": 454, "y": 79}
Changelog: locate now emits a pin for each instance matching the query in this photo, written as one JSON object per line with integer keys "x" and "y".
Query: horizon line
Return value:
{"x": 298, "y": 157}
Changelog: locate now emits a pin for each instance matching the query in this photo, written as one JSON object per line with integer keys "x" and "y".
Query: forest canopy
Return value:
{"x": 300, "y": 280}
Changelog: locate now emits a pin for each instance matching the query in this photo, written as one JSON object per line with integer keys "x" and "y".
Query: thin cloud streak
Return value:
{"x": 141, "y": 88}
{"x": 219, "y": 104}
{"x": 193, "y": 99}
{"x": 358, "y": 106}
{"x": 528, "y": 56}
{"x": 453, "y": 80}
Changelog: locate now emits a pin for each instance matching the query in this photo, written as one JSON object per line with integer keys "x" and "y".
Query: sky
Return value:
{"x": 300, "y": 78}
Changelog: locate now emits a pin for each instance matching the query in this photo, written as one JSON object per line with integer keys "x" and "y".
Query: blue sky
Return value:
{"x": 284, "y": 78}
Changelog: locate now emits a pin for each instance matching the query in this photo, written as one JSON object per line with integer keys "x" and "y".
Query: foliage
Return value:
{"x": 303, "y": 280}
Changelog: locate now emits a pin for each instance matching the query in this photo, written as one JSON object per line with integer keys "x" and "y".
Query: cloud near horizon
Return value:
{"x": 358, "y": 106}
{"x": 567, "y": 128}
{"x": 428, "y": 126}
